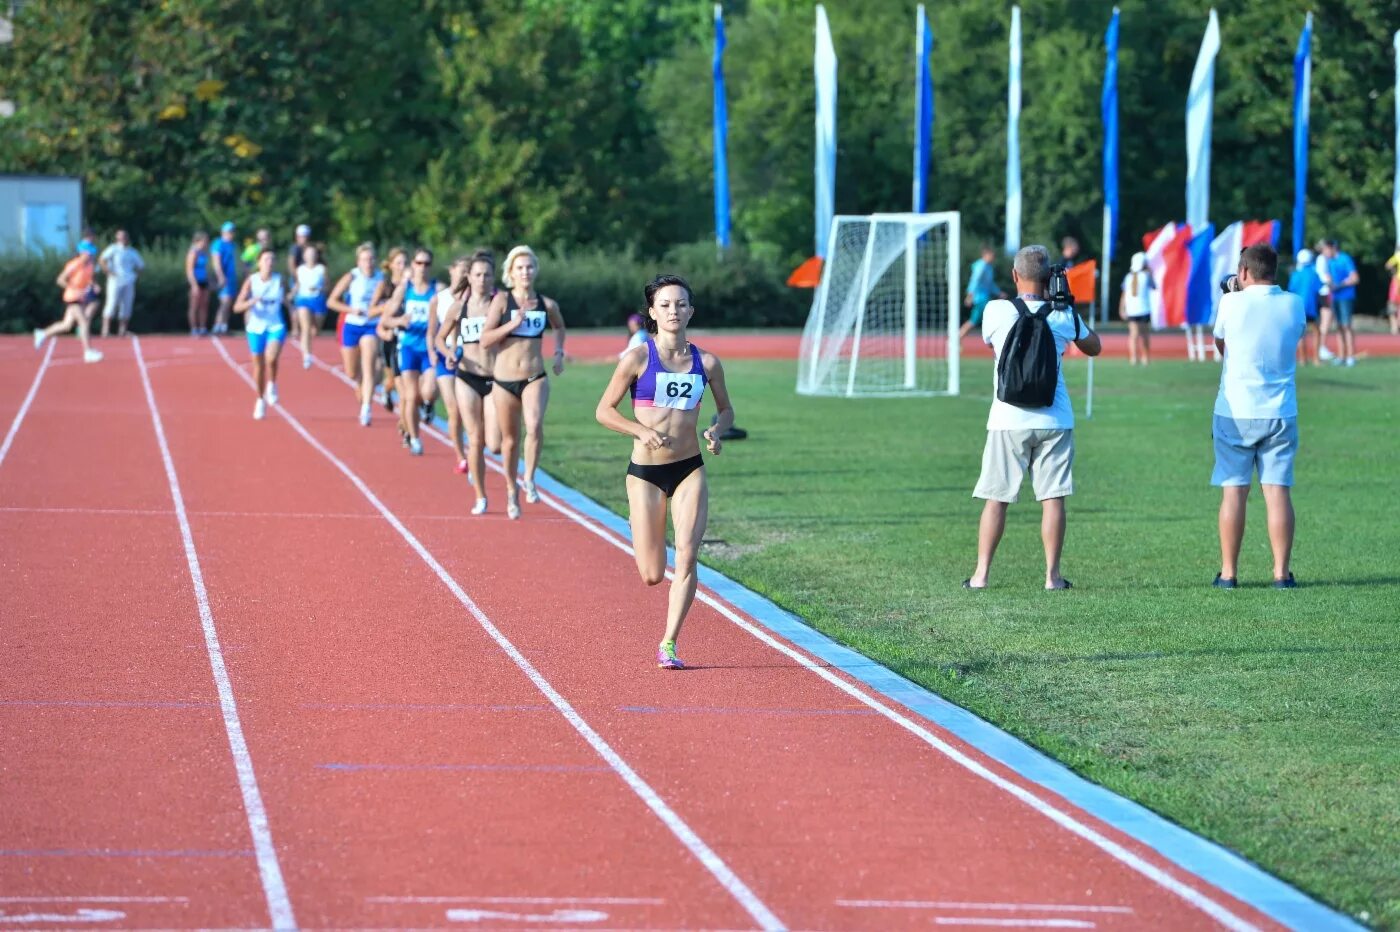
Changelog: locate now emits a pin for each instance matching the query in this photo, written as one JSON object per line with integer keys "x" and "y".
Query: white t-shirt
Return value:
{"x": 311, "y": 280}
{"x": 1261, "y": 327}
{"x": 266, "y": 312}
{"x": 1139, "y": 305}
{"x": 124, "y": 261}
{"x": 996, "y": 326}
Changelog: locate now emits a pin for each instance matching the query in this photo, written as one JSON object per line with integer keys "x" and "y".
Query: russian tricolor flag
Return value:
{"x": 1187, "y": 266}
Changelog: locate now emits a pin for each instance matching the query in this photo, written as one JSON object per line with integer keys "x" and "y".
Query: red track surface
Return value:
{"x": 412, "y": 774}
{"x": 595, "y": 345}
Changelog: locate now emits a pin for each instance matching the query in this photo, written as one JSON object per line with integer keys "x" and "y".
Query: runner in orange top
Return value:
{"x": 79, "y": 295}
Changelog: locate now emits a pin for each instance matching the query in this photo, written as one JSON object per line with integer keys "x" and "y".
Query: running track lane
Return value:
{"x": 401, "y": 755}
{"x": 831, "y": 812}
{"x": 120, "y": 800}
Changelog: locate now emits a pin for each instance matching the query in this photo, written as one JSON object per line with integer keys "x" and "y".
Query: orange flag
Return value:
{"x": 1081, "y": 281}
{"x": 807, "y": 275}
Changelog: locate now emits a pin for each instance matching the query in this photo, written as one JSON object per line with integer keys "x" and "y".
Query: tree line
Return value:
{"x": 586, "y": 123}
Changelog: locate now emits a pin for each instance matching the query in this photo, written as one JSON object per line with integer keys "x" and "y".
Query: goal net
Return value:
{"x": 885, "y": 318}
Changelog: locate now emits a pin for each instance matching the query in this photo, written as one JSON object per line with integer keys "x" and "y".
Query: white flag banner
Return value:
{"x": 1199, "y": 105}
{"x": 825, "y": 70}
{"x": 1225, "y": 252}
{"x": 1013, "y": 138}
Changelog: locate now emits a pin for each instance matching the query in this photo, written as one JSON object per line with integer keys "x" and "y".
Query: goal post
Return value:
{"x": 884, "y": 321}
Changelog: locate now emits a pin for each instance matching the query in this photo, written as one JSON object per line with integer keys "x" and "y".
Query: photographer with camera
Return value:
{"x": 1031, "y": 425}
{"x": 1257, "y": 327}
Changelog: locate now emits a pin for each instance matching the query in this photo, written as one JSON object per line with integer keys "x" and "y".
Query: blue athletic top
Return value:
{"x": 1340, "y": 269}
{"x": 415, "y": 308}
{"x": 1306, "y": 284}
{"x": 201, "y": 266}
{"x": 659, "y": 387}
{"x": 227, "y": 254}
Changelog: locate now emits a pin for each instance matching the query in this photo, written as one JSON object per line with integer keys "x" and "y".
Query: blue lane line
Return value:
{"x": 109, "y": 704}
{"x": 1218, "y": 866}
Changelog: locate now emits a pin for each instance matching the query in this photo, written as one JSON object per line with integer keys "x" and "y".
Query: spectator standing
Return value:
{"x": 262, "y": 242}
{"x": 1307, "y": 285}
{"x": 226, "y": 258}
{"x": 122, "y": 265}
{"x": 1257, "y": 328}
{"x": 1022, "y": 439}
{"x": 1135, "y": 306}
{"x": 981, "y": 288}
{"x": 1069, "y": 252}
{"x": 1392, "y": 297}
{"x": 1342, "y": 273}
{"x": 1324, "y": 308}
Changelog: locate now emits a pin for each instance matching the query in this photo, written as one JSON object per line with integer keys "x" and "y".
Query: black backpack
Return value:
{"x": 1029, "y": 367}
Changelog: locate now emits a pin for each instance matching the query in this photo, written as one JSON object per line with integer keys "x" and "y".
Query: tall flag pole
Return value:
{"x": 1108, "y": 104}
{"x": 1396, "y": 197}
{"x": 825, "y": 72}
{"x": 1302, "y": 92}
{"x": 923, "y": 109}
{"x": 1013, "y": 138}
{"x": 721, "y": 117}
{"x": 1199, "y": 106}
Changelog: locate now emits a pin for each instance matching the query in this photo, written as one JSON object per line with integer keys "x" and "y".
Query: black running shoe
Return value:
{"x": 1288, "y": 582}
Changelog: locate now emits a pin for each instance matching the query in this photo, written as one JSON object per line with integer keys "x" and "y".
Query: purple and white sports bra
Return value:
{"x": 659, "y": 387}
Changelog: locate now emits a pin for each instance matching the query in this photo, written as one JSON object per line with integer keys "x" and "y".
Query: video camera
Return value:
{"x": 1058, "y": 292}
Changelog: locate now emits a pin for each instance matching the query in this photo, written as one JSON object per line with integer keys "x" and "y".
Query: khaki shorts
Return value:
{"x": 1047, "y": 454}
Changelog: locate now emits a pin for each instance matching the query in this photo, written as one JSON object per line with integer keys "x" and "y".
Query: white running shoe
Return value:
{"x": 259, "y": 410}
{"x": 92, "y": 355}
{"x": 272, "y": 393}
{"x": 1351, "y": 362}
{"x": 364, "y": 415}
{"x": 415, "y": 446}
{"x": 306, "y": 361}
{"x": 513, "y": 509}
{"x": 532, "y": 494}
{"x": 1325, "y": 354}
{"x": 39, "y": 338}
{"x": 480, "y": 507}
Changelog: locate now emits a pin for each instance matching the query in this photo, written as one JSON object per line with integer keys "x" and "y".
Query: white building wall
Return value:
{"x": 40, "y": 212}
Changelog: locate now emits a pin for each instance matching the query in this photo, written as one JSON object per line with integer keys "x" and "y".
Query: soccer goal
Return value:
{"x": 885, "y": 318}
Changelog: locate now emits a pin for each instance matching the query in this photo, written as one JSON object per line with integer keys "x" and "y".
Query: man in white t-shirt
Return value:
{"x": 1258, "y": 328}
{"x": 123, "y": 265}
{"x": 1035, "y": 440}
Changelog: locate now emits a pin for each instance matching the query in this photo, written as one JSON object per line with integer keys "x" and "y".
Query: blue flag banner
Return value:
{"x": 1396, "y": 196}
{"x": 721, "y": 136}
{"x": 1013, "y": 137}
{"x": 1200, "y": 308}
{"x": 923, "y": 109}
{"x": 1302, "y": 92}
{"x": 1109, "y": 105}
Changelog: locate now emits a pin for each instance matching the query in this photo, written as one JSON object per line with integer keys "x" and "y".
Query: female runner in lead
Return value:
{"x": 515, "y": 325}
{"x": 261, "y": 299}
{"x": 667, "y": 378}
{"x": 462, "y": 341}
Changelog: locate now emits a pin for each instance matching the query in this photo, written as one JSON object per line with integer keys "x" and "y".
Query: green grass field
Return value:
{"x": 1268, "y": 721}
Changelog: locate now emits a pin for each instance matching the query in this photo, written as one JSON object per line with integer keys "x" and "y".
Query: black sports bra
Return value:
{"x": 536, "y": 321}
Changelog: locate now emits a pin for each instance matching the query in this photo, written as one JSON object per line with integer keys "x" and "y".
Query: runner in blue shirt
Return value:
{"x": 225, "y": 253}
{"x": 981, "y": 288}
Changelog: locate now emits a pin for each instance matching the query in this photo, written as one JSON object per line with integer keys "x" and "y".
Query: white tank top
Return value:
{"x": 360, "y": 294}
{"x": 266, "y": 312}
{"x": 311, "y": 281}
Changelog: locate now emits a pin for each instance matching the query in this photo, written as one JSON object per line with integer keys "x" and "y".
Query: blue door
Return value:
{"x": 46, "y": 228}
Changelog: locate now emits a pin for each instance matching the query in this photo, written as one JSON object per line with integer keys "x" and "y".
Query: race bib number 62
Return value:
{"x": 675, "y": 390}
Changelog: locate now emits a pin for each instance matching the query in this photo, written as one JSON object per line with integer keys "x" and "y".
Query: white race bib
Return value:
{"x": 535, "y": 322}
{"x": 677, "y": 390}
{"x": 471, "y": 329}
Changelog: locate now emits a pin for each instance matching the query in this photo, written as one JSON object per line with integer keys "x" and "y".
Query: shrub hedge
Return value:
{"x": 594, "y": 289}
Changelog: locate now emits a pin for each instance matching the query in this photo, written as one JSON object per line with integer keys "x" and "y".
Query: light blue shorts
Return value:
{"x": 257, "y": 342}
{"x": 1244, "y": 445}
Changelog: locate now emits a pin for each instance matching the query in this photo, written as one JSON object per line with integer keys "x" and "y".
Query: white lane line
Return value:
{"x": 525, "y": 900}
{"x": 82, "y": 915}
{"x": 94, "y": 899}
{"x": 1059, "y": 816}
{"x": 1014, "y": 923}
{"x": 1005, "y": 907}
{"x": 279, "y": 906}
{"x": 555, "y": 916}
{"x": 717, "y": 867}
{"x": 24, "y": 406}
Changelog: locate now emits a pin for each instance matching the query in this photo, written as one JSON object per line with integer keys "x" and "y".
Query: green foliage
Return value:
{"x": 585, "y": 125}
